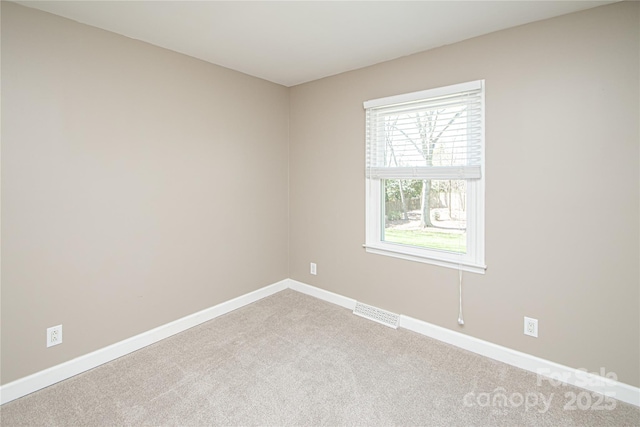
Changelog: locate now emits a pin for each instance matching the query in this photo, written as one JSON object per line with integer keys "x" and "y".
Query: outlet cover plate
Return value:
{"x": 531, "y": 327}
{"x": 54, "y": 335}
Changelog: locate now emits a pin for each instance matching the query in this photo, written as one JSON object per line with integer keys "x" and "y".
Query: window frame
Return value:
{"x": 474, "y": 258}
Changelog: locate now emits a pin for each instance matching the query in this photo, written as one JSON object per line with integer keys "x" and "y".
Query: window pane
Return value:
{"x": 426, "y": 213}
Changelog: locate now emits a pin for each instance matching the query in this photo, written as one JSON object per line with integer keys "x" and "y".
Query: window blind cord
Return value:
{"x": 460, "y": 318}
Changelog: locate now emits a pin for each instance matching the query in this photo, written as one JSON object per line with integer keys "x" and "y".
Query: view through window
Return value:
{"x": 440, "y": 223}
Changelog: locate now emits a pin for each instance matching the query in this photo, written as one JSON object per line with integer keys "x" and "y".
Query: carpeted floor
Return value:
{"x": 291, "y": 359}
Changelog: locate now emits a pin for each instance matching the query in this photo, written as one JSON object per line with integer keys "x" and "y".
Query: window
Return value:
{"x": 425, "y": 176}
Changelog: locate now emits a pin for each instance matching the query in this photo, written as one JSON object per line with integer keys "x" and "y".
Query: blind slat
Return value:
{"x": 435, "y": 172}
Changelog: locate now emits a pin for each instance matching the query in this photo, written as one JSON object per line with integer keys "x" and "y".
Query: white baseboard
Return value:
{"x": 545, "y": 369}
{"x": 322, "y": 294}
{"x": 50, "y": 376}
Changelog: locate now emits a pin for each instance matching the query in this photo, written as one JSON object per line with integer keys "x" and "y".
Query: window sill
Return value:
{"x": 465, "y": 265}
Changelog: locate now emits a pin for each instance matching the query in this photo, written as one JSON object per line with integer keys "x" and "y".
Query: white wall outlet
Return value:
{"x": 313, "y": 269}
{"x": 54, "y": 335}
{"x": 531, "y": 327}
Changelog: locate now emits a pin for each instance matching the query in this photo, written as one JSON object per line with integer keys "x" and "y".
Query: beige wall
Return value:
{"x": 138, "y": 186}
{"x": 562, "y": 189}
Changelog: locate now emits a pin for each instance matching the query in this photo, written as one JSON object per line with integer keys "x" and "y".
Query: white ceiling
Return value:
{"x": 293, "y": 42}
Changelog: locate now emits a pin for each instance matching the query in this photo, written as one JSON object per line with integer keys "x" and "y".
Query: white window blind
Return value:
{"x": 432, "y": 134}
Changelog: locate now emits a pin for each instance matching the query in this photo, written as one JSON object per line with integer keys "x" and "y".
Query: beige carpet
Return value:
{"x": 291, "y": 359}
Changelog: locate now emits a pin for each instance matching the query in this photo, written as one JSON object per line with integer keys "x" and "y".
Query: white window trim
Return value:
{"x": 473, "y": 260}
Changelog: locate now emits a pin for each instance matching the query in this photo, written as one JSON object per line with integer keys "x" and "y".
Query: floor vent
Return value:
{"x": 377, "y": 315}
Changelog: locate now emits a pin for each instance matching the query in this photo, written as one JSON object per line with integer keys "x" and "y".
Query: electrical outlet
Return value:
{"x": 313, "y": 268}
{"x": 54, "y": 335}
{"x": 531, "y": 327}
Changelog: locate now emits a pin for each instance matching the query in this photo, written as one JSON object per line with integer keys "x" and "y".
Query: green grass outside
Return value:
{"x": 428, "y": 238}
